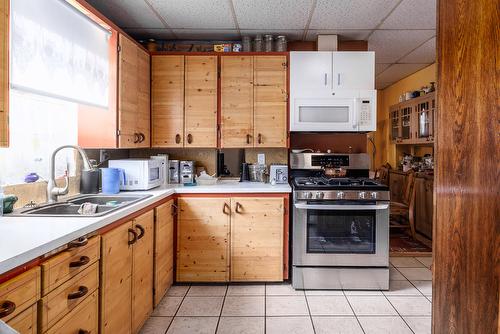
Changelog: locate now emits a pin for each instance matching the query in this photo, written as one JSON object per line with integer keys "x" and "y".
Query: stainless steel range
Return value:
{"x": 340, "y": 225}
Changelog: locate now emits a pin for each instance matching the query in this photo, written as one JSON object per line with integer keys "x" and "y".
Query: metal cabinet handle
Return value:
{"x": 249, "y": 137}
{"x": 136, "y": 138}
{"x": 226, "y": 209}
{"x": 259, "y": 138}
{"x": 177, "y": 138}
{"x": 80, "y": 242}
{"x": 190, "y": 138}
{"x": 82, "y": 291}
{"x": 238, "y": 207}
{"x": 80, "y": 263}
{"x": 326, "y": 79}
{"x": 134, "y": 236}
{"x": 338, "y": 79}
{"x": 7, "y": 307}
{"x": 142, "y": 231}
{"x": 142, "y": 137}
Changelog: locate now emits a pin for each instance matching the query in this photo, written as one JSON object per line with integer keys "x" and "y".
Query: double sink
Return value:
{"x": 105, "y": 205}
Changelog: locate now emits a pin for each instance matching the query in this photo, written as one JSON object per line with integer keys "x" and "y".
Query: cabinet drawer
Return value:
{"x": 82, "y": 319}
{"x": 69, "y": 263}
{"x": 19, "y": 293}
{"x": 69, "y": 295}
{"x": 25, "y": 322}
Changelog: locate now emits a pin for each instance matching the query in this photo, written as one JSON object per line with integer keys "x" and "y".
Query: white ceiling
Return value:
{"x": 401, "y": 32}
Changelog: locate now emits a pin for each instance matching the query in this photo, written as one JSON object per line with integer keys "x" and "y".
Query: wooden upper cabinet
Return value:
{"x": 270, "y": 101}
{"x": 237, "y": 101}
{"x": 133, "y": 95}
{"x": 202, "y": 239}
{"x": 200, "y": 120}
{"x": 167, "y": 100}
{"x": 4, "y": 73}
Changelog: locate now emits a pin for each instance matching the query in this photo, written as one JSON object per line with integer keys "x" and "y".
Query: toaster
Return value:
{"x": 278, "y": 173}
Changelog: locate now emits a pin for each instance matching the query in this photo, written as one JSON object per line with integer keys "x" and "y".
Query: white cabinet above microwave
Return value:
{"x": 332, "y": 91}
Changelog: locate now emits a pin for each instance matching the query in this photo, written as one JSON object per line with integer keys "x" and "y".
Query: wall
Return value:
{"x": 385, "y": 151}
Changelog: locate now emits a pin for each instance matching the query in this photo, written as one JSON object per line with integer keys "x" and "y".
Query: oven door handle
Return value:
{"x": 341, "y": 206}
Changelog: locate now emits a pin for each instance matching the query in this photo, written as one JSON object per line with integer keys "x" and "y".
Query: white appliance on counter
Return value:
{"x": 140, "y": 174}
{"x": 333, "y": 91}
{"x": 163, "y": 158}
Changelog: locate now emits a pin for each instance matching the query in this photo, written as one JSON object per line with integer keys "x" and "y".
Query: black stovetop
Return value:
{"x": 325, "y": 183}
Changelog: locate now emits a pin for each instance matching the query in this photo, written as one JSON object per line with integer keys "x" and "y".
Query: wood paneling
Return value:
{"x": 167, "y": 101}
{"x": 270, "y": 101}
{"x": 200, "y": 106}
{"x": 256, "y": 239}
{"x": 203, "y": 239}
{"x": 4, "y": 73}
{"x": 467, "y": 230}
{"x": 164, "y": 250}
{"x": 237, "y": 101}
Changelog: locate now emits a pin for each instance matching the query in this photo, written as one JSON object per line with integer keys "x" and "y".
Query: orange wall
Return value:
{"x": 386, "y": 151}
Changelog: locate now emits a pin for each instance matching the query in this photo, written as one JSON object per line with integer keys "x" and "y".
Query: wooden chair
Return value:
{"x": 405, "y": 211}
{"x": 382, "y": 174}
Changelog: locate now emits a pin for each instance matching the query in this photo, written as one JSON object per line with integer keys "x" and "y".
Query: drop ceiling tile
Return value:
{"x": 391, "y": 45}
{"x": 426, "y": 53}
{"x": 272, "y": 14}
{"x": 411, "y": 14}
{"x": 291, "y": 35}
{"x": 207, "y": 34}
{"x": 195, "y": 14}
{"x": 397, "y": 72}
{"x": 150, "y": 33}
{"x": 379, "y": 68}
{"x": 312, "y": 34}
{"x": 128, "y": 13}
{"x": 352, "y": 14}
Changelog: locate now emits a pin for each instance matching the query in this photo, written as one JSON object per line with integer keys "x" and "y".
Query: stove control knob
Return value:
{"x": 309, "y": 195}
{"x": 373, "y": 195}
{"x": 320, "y": 195}
{"x": 340, "y": 195}
{"x": 362, "y": 195}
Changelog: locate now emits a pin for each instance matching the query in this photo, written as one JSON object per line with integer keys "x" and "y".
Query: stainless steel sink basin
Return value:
{"x": 105, "y": 205}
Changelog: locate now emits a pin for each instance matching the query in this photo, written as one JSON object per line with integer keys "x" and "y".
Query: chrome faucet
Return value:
{"x": 52, "y": 191}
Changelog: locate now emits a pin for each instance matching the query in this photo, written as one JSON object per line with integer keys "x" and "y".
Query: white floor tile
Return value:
{"x": 363, "y": 292}
{"x": 178, "y": 290}
{"x": 406, "y": 262}
{"x": 247, "y": 289}
{"x": 168, "y": 306}
{"x": 324, "y": 292}
{"x": 282, "y": 290}
{"x": 395, "y": 275}
{"x": 336, "y": 325}
{"x": 424, "y": 286}
{"x": 416, "y": 274}
{"x": 329, "y": 305}
{"x": 286, "y": 306}
{"x": 401, "y": 288}
{"x": 207, "y": 290}
{"x": 384, "y": 325}
{"x": 371, "y": 305}
{"x": 241, "y": 325}
{"x": 289, "y": 325}
{"x": 156, "y": 325}
{"x": 420, "y": 325}
{"x": 411, "y": 305}
{"x": 200, "y": 306}
{"x": 193, "y": 325}
{"x": 244, "y": 306}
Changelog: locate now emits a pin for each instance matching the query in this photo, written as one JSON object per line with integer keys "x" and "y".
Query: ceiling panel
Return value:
{"x": 291, "y": 35}
{"x": 379, "y": 68}
{"x": 207, "y": 34}
{"x": 352, "y": 14}
{"x": 272, "y": 14}
{"x": 411, "y": 14}
{"x": 150, "y": 33}
{"x": 391, "y": 45}
{"x": 312, "y": 34}
{"x": 195, "y": 14}
{"x": 397, "y": 72}
{"x": 128, "y": 13}
{"x": 426, "y": 53}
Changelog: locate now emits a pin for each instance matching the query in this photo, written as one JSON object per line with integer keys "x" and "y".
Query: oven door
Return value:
{"x": 350, "y": 235}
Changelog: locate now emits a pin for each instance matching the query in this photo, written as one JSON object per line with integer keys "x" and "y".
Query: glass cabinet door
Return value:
{"x": 395, "y": 124}
{"x": 406, "y": 122}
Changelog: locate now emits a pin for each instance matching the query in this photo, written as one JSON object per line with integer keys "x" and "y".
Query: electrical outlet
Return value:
{"x": 261, "y": 159}
{"x": 103, "y": 155}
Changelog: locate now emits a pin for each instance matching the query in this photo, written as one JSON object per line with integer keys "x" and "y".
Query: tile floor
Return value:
{"x": 278, "y": 308}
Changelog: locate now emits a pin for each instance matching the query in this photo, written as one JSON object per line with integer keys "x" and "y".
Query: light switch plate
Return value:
{"x": 261, "y": 159}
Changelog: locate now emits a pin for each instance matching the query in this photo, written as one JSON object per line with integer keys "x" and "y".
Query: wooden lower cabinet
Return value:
{"x": 424, "y": 206}
{"x": 257, "y": 239}
{"x": 163, "y": 250}
{"x": 19, "y": 294}
{"x": 26, "y": 321}
{"x": 203, "y": 239}
{"x": 84, "y": 319}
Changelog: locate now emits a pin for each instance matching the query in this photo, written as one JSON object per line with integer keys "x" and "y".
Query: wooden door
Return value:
{"x": 4, "y": 73}
{"x": 142, "y": 270}
{"x": 270, "y": 101}
{"x": 164, "y": 250}
{"x": 203, "y": 239}
{"x": 257, "y": 239}
{"x": 116, "y": 281}
{"x": 237, "y": 101}
{"x": 133, "y": 95}
{"x": 167, "y": 100}
{"x": 200, "y": 104}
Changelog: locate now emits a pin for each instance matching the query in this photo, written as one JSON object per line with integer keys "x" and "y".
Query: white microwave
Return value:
{"x": 140, "y": 174}
{"x": 343, "y": 114}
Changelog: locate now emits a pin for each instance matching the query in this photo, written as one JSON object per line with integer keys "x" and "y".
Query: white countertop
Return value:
{"x": 23, "y": 239}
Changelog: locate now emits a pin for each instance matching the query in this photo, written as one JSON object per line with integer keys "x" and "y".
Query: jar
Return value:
{"x": 257, "y": 43}
{"x": 246, "y": 43}
{"x": 257, "y": 172}
{"x": 268, "y": 43}
{"x": 280, "y": 44}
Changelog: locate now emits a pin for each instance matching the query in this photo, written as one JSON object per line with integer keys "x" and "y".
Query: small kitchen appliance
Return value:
{"x": 278, "y": 173}
{"x": 112, "y": 178}
{"x": 340, "y": 224}
{"x": 173, "y": 171}
{"x": 140, "y": 174}
{"x": 163, "y": 158}
{"x": 186, "y": 171}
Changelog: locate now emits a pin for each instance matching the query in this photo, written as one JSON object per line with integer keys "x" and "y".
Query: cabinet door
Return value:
{"x": 200, "y": 119}
{"x": 26, "y": 321}
{"x": 353, "y": 70}
{"x": 257, "y": 239}
{"x": 270, "y": 101}
{"x": 310, "y": 74}
{"x": 202, "y": 239}
{"x": 142, "y": 270}
{"x": 133, "y": 95}
{"x": 4, "y": 73}
{"x": 167, "y": 100}
{"x": 116, "y": 281}
{"x": 164, "y": 249}
{"x": 237, "y": 101}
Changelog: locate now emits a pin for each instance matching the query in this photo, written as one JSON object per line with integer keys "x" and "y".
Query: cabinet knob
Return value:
{"x": 134, "y": 236}
{"x": 259, "y": 138}
{"x": 226, "y": 209}
{"x": 7, "y": 308}
{"x": 142, "y": 231}
{"x": 190, "y": 138}
{"x": 137, "y": 138}
{"x": 80, "y": 263}
{"x": 80, "y": 242}
{"x": 142, "y": 137}
{"x": 177, "y": 138}
{"x": 238, "y": 207}
{"x": 249, "y": 137}
{"x": 82, "y": 291}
